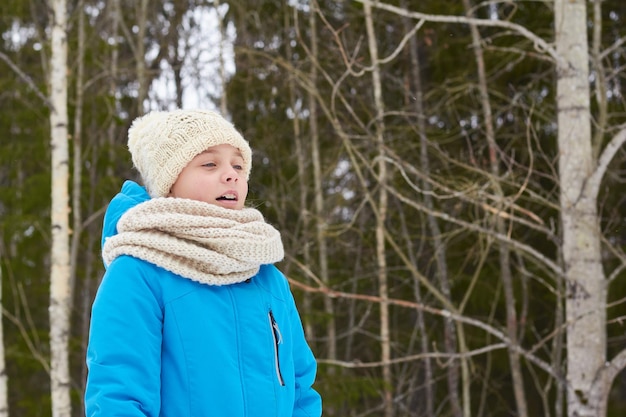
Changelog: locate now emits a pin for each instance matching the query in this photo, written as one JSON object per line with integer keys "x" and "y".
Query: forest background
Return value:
{"x": 446, "y": 176}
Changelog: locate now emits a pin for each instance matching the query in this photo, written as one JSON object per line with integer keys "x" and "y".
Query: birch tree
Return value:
{"x": 60, "y": 251}
{"x": 589, "y": 375}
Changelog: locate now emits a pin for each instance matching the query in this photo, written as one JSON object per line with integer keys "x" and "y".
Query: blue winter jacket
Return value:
{"x": 163, "y": 345}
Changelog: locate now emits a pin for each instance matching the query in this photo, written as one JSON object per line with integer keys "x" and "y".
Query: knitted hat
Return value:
{"x": 162, "y": 143}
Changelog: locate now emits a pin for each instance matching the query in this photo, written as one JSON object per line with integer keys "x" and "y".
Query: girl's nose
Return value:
{"x": 230, "y": 174}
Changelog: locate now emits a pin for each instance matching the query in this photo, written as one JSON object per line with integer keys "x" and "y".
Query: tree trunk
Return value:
{"x": 222, "y": 63}
{"x": 302, "y": 153}
{"x": 381, "y": 217}
{"x": 320, "y": 215}
{"x": 77, "y": 194}
{"x": 4, "y": 388}
{"x": 433, "y": 226}
{"x": 114, "y": 19}
{"x": 78, "y": 151}
{"x": 60, "y": 254}
{"x": 584, "y": 275}
{"x": 504, "y": 253}
{"x": 140, "y": 55}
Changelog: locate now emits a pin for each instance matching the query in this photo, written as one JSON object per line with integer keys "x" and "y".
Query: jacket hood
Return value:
{"x": 129, "y": 196}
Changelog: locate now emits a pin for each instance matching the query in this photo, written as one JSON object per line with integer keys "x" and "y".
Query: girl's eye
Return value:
{"x": 209, "y": 164}
{"x": 238, "y": 167}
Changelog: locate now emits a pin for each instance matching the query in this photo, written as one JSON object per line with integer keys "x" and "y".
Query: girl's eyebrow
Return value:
{"x": 213, "y": 151}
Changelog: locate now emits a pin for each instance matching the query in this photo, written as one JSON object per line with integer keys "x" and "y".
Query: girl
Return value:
{"x": 191, "y": 318}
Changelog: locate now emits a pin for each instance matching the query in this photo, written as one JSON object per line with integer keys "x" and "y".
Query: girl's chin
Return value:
{"x": 234, "y": 205}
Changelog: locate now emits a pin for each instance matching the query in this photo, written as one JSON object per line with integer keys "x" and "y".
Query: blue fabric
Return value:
{"x": 163, "y": 345}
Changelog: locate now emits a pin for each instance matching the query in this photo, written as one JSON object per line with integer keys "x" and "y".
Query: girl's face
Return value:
{"x": 215, "y": 176}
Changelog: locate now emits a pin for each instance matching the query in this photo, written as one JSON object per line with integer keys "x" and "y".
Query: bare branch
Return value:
{"x": 594, "y": 181}
{"x": 540, "y": 44}
{"x": 28, "y": 340}
{"x": 28, "y": 80}
{"x": 440, "y": 312}
{"x": 428, "y": 355}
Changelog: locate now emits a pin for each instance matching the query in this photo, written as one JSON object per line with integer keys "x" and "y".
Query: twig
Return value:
{"x": 28, "y": 80}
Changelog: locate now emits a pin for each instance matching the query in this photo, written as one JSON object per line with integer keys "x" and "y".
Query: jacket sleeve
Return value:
{"x": 124, "y": 350}
{"x": 308, "y": 403}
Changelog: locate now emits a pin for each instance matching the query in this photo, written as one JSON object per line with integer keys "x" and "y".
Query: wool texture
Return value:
{"x": 196, "y": 240}
{"x": 162, "y": 143}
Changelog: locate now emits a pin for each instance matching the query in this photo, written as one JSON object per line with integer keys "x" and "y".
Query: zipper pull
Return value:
{"x": 279, "y": 336}
{"x": 278, "y": 339}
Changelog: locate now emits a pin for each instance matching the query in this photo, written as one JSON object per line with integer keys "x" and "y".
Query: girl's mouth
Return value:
{"x": 227, "y": 197}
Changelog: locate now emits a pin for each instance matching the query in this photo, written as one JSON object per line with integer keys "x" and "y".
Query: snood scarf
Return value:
{"x": 196, "y": 240}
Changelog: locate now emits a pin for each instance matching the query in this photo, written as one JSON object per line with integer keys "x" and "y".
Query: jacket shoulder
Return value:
{"x": 130, "y": 195}
{"x": 127, "y": 273}
{"x": 272, "y": 280}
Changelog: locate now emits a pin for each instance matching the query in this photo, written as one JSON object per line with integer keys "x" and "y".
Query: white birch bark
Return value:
{"x": 584, "y": 275}
{"x": 60, "y": 253}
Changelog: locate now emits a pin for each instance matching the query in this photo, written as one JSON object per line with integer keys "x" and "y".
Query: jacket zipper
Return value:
{"x": 278, "y": 339}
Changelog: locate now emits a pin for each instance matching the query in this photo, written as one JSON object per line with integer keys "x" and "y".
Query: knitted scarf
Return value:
{"x": 199, "y": 241}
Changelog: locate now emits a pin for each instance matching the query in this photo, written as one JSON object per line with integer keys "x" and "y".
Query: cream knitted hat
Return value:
{"x": 162, "y": 143}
